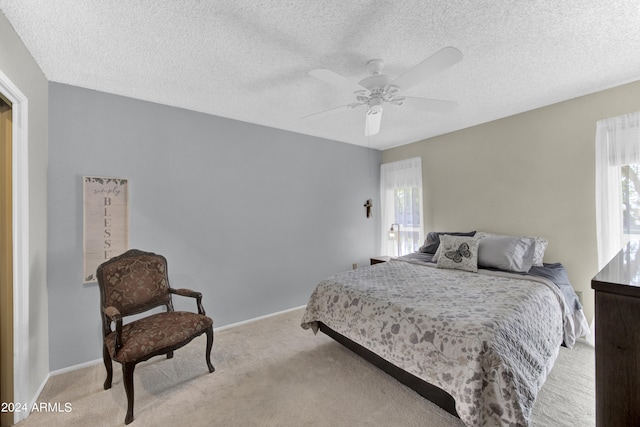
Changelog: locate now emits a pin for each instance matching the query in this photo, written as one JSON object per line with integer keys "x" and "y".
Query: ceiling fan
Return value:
{"x": 379, "y": 89}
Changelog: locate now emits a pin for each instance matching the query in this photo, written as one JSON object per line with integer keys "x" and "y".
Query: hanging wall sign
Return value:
{"x": 106, "y": 221}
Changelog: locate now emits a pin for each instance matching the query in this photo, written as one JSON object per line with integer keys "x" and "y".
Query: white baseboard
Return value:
{"x": 37, "y": 395}
{"x": 583, "y": 340}
{"x": 244, "y": 322}
{"x": 75, "y": 367}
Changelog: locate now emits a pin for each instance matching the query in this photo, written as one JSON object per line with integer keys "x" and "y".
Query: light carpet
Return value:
{"x": 271, "y": 372}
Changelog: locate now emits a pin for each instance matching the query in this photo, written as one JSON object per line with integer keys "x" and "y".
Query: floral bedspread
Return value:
{"x": 487, "y": 339}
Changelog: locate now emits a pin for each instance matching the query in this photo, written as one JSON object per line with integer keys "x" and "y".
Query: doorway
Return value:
{"x": 6, "y": 261}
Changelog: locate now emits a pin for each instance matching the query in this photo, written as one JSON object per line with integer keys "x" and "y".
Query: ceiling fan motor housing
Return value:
{"x": 375, "y": 104}
{"x": 377, "y": 86}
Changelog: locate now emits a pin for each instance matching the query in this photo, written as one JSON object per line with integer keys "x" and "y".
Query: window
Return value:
{"x": 631, "y": 201}
{"x": 407, "y": 214}
{"x": 617, "y": 184}
{"x": 401, "y": 202}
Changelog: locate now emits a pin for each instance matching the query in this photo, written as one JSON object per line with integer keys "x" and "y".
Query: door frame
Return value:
{"x": 20, "y": 230}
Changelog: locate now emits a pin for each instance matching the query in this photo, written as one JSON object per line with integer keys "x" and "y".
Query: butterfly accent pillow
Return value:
{"x": 459, "y": 252}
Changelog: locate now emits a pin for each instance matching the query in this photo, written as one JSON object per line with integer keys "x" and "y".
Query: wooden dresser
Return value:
{"x": 617, "y": 311}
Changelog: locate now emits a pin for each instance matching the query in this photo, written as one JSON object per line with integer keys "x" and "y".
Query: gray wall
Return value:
{"x": 251, "y": 216}
{"x": 18, "y": 65}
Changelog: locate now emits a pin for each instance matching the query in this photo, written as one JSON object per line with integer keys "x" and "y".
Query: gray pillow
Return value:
{"x": 432, "y": 241}
{"x": 507, "y": 253}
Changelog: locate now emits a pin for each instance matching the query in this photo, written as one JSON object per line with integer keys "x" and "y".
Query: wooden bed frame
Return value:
{"x": 423, "y": 388}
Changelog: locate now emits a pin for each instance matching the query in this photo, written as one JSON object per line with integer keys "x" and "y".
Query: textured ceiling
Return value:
{"x": 249, "y": 60}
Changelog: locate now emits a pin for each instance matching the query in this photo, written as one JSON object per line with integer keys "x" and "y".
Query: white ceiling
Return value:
{"x": 249, "y": 59}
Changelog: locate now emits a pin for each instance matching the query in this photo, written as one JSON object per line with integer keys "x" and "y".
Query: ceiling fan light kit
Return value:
{"x": 378, "y": 89}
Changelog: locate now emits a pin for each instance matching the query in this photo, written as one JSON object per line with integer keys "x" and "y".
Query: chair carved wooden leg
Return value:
{"x": 109, "y": 366}
{"x": 127, "y": 373}
{"x": 209, "y": 333}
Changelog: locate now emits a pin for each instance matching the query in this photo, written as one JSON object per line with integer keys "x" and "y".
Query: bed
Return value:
{"x": 477, "y": 340}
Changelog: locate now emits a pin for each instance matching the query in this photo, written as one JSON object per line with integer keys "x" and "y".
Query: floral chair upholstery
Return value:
{"x": 133, "y": 283}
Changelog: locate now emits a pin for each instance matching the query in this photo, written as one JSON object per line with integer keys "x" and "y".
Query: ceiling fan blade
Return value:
{"x": 336, "y": 79}
{"x": 372, "y": 122}
{"x": 427, "y": 104}
{"x": 333, "y": 110}
{"x": 442, "y": 59}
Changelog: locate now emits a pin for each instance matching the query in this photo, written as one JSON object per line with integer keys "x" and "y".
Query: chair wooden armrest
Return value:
{"x": 191, "y": 294}
{"x": 113, "y": 314}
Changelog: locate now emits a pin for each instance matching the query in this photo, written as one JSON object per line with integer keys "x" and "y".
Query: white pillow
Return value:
{"x": 541, "y": 245}
{"x": 478, "y": 235}
{"x": 458, "y": 252}
{"x": 508, "y": 253}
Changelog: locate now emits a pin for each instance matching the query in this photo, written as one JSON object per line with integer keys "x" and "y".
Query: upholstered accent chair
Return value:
{"x": 133, "y": 283}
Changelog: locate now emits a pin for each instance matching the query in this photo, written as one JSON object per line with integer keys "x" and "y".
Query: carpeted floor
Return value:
{"x": 274, "y": 373}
